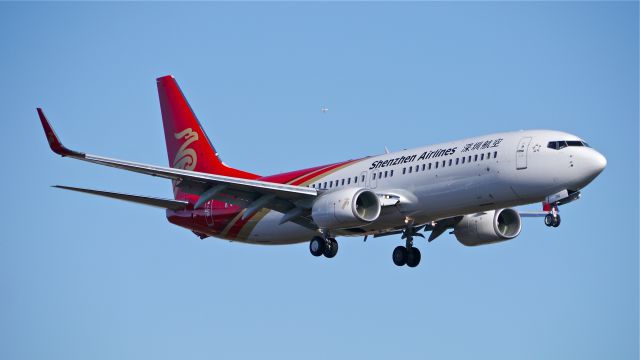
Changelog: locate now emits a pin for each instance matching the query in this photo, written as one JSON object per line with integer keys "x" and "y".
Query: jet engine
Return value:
{"x": 346, "y": 208}
{"x": 488, "y": 227}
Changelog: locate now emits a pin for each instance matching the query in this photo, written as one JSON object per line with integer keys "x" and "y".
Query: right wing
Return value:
{"x": 139, "y": 199}
{"x": 293, "y": 201}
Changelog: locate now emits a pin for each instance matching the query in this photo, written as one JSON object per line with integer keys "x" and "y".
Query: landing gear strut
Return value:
{"x": 408, "y": 254}
{"x": 553, "y": 217}
{"x": 323, "y": 246}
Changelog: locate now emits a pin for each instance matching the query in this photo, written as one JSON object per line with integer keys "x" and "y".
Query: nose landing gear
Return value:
{"x": 552, "y": 219}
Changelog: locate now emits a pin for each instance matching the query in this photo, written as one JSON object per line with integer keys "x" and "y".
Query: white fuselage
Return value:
{"x": 451, "y": 179}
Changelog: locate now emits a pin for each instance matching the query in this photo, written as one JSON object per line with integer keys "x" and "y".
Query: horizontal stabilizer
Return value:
{"x": 146, "y": 200}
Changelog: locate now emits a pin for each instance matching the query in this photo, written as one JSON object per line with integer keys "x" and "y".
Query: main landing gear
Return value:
{"x": 408, "y": 254}
{"x": 553, "y": 217}
{"x": 323, "y": 246}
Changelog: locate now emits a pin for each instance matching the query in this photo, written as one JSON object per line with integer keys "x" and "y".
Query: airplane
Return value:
{"x": 470, "y": 186}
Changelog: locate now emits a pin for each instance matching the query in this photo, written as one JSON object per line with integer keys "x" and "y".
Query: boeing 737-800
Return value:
{"x": 469, "y": 185}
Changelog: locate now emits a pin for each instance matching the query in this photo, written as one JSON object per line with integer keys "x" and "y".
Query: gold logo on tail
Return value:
{"x": 186, "y": 158}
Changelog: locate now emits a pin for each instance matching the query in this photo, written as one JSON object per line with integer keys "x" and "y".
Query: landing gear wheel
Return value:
{"x": 551, "y": 220}
{"x": 548, "y": 220}
{"x": 332, "y": 249}
{"x": 317, "y": 246}
{"x": 413, "y": 257}
{"x": 400, "y": 255}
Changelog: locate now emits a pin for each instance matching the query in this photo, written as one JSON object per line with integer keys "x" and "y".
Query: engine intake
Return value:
{"x": 488, "y": 227}
{"x": 346, "y": 208}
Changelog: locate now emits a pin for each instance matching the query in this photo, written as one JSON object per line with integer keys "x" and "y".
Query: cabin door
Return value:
{"x": 521, "y": 153}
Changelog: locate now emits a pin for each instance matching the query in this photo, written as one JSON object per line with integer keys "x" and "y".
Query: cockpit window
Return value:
{"x": 557, "y": 145}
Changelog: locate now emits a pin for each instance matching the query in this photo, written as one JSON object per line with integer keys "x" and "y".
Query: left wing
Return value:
{"x": 293, "y": 201}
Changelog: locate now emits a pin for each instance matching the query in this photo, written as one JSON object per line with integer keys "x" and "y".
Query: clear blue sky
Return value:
{"x": 91, "y": 278}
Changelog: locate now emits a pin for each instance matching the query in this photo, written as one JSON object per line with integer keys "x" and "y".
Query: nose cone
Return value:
{"x": 601, "y": 162}
{"x": 598, "y": 163}
{"x": 594, "y": 164}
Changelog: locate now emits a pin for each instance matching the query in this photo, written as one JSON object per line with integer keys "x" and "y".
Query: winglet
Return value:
{"x": 52, "y": 138}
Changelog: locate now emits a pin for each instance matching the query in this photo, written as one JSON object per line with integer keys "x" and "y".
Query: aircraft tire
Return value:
{"x": 331, "y": 250}
{"x": 556, "y": 221}
{"x": 413, "y": 257}
{"x": 399, "y": 256}
{"x": 317, "y": 246}
{"x": 548, "y": 220}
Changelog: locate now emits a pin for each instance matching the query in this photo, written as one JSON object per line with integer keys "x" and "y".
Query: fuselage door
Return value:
{"x": 373, "y": 178}
{"x": 521, "y": 153}
{"x": 208, "y": 213}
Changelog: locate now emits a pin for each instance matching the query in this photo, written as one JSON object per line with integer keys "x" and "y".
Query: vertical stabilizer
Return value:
{"x": 188, "y": 146}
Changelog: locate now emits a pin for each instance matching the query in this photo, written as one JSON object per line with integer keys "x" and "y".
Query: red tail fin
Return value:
{"x": 188, "y": 147}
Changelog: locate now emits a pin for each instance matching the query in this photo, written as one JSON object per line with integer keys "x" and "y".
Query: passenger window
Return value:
{"x": 342, "y": 182}
{"x": 348, "y": 181}
{"x": 362, "y": 178}
{"x": 417, "y": 168}
{"x": 374, "y": 176}
{"x": 469, "y": 159}
{"x": 423, "y": 167}
{"x": 355, "y": 179}
{"x": 437, "y": 164}
{"x": 481, "y": 156}
{"x": 429, "y": 166}
{"x": 475, "y": 158}
{"x": 457, "y": 161}
{"x": 391, "y": 173}
{"x": 463, "y": 159}
{"x": 410, "y": 168}
{"x": 385, "y": 174}
{"x": 325, "y": 185}
{"x": 450, "y": 162}
{"x": 495, "y": 154}
{"x": 443, "y": 163}
{"x": 404, "y": 171}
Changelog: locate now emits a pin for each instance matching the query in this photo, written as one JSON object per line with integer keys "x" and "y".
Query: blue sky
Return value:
{"x": 85, "y": 277}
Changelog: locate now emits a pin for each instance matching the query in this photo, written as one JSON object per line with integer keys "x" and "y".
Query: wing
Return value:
{"x": 293, "y": 201}
{"x": 146, "y": 200}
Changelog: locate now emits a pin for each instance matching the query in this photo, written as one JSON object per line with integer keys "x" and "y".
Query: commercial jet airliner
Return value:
{"x": 469, "y": 186}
